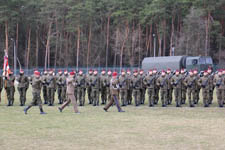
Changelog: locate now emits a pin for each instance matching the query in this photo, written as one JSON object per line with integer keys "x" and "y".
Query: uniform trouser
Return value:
{"x": 81, "y": 95}
{"x": 10, "y": 95}
{"x": 197, "y": 95}
{"x": 0, "y": 94}
{"x": 63, "y": 94}
{"x": 51, "y": 95}
{"x": 183, "y": 95}
{"x": 137, "y": 96}
{"x": 45, "y": 94}
{"x": 114, "y": 99}
{"x": 177, "y": 95}
{"x": 170, "y": 97}
{"x": 156, "y": 99}
{"x": 205, "y": 96}
{"x": 142, "y": 92}
{"x": 36, "y": 101}
{"x": 59, "y": 91}
{"x": 211, "y": 95}
{"x": 89, "y": 95}
{"x": 103, "y": 95}
{"x": 163, "y": 94}
{"x": 123, "y": 97}
{"x": 70, "y": 98}
{"x": 220, "y": 96}
{"x": 22, "y": 92}
{"x": 151, "y": 96}
{"x": 75, "y": 93}
{"x": 129, "y": 96}
{"x": 191, "y": 96}
{"x": 95, "y": 96}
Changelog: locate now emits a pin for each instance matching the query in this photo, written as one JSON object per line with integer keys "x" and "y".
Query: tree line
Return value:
{"x": 91, "y": 33}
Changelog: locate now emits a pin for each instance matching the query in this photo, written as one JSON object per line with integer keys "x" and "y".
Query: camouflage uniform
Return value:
{"x": 80, "y": 81}
{"x": 162, "y": 81}
{"x": 184, "y": 89}
{"x": 60, "y": 84}
{"x": 10, "y": 89}
{"x": 176, "y": 81}
{"x": 123, "y": 83}
{"x": 156, "y": 89}
{"x": 95, "y": 89}
{"x": 22, "y": 88}
{"x": 44, "y": 89}
{"x": 142, "y": 89}
{"x": 129, "y": 90}
{"x": 89, "y": 88}
{"x": 170, "y": 89}
{"x": 149, "y": 81}
{"x": 197, "y": 90}
{"x": 36, "y": 91}
{"x": 211, "y": 88}
{"x": 219, "y": 82}
{"x": 204, "y": 83}
{"x": 136, "y": 84}
{"x": 103, "y": 87}
{"x": 191, "y": 82}
{"x": 51, "y": 88}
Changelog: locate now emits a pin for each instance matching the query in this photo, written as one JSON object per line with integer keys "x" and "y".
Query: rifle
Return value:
{"x": 150, "y": 82}
{"x": 163, "y": 83}
{"x": 93, "y": 84}
{"x": 121, "y": 85}
{"x": 190, "y": 84}
{"x": 136, "y": 83}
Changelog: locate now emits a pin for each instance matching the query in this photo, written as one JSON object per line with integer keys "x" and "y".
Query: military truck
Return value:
{"x": 177, "y": 62}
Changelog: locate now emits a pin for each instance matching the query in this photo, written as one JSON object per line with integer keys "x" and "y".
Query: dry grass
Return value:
{"x": 137, "y": 128}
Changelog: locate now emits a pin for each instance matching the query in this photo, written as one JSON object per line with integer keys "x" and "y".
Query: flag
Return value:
{"x": 6, "y": 65}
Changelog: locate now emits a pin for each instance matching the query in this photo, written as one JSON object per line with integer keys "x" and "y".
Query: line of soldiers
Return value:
{"x": 167, "y": 84}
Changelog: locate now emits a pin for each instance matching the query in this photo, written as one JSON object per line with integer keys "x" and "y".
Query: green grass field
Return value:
{"x": 137, "y": 128}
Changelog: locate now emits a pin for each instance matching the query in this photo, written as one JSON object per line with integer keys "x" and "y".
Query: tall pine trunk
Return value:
{"x": 28, "y": 47}
{"x": 89, "y": 45}
{"x": 47, "y": 50}
{"x": 6, "y": 37}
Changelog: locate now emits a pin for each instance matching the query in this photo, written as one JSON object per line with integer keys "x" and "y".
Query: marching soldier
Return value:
{"x": 65, "y": 75}
{"x": 136, "y": 84}
{"x": 197, "y": 87}
{"x": 80, "y": 81}
{"x": 109, "y": 77}
{"x": 95, "y": 88}
{"x": 70, "y": 84}
{"x": 184, "y": 88}
{"x": 44, "y": 89}
{"x": 88, "y": 85}
{"x": 123, "y": 83}
{"x": 170, "y": 86}
{"x": 129, "y": 88}
{"x": 191, "y": 82}
{"x": 114, "y": 90}
{"x": 176, "y": 81}
{"x": 220, "y": 88}
{"x": 143, "y": 88}
{"x": 10, "y": 88}
{"x": 22, "y": 87}
{"x": 204, "y": 83}
{"x": 60, "y": 83}
{"x": 103, "y": 87}
{"x": 51, "y": 88}
{"x": 157, "y": 87}
{"x": 149, "y": 82}
{"x": 36, "y": 91}
{"x": 211, "y": 85}
{"x": 162, "y": 81}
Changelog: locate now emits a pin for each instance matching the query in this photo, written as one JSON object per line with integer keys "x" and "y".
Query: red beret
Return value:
{"x": 72, "y": 73}
{"x": 114, "y": 74}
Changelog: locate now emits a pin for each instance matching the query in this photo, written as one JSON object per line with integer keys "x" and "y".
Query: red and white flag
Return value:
{"x": 6, "y": 65}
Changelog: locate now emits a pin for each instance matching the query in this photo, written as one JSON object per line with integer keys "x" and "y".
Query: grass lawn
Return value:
{"x": 138, "y": 128}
